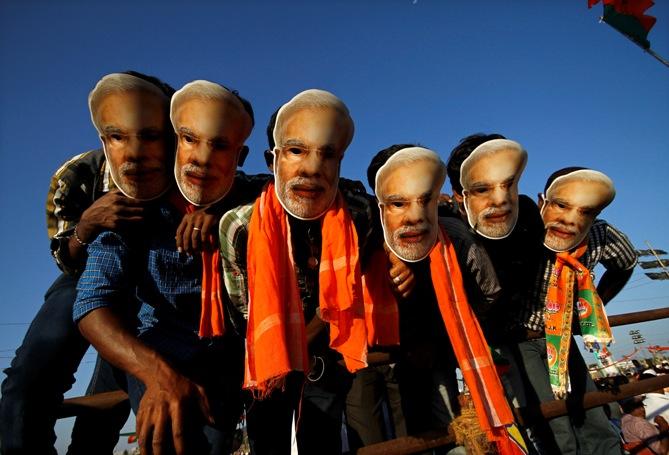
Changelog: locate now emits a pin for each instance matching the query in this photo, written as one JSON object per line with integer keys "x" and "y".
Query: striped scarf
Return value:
{"x": 558, "y": 314}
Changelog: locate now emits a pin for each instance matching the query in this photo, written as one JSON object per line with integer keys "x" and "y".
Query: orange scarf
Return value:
{"x": 212, "y": 316}
{"x": 472, "y": 351}
{"x": 469, "y": 345}
{"x": 559, "y": 310}
{"x": 382, "y": 318}
{"x": 275, "y": 337}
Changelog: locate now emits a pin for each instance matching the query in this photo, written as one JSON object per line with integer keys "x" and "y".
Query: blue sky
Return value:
{"x": 547, "y": 74}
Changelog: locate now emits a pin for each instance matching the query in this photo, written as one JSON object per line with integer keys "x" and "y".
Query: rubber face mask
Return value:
{"x": 310, "y": 146}
{"x": 570, "y": 206}
{"x": 210, "y": 138}
{"x": 489, "y": 177}
{"x": 135, "y": 141}
{"x": 408, "y": 187}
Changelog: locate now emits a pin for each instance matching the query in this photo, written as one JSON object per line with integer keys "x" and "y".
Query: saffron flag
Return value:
{"x": 629, "y": 18}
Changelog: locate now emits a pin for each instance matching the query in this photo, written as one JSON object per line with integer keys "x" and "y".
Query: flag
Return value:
{"x": 629, "y": 18}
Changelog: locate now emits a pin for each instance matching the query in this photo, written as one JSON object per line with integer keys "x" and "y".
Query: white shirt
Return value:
{"x": 656, "y": 404}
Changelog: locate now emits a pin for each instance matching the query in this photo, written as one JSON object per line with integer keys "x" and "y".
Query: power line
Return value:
{"x": 643, "y": 298}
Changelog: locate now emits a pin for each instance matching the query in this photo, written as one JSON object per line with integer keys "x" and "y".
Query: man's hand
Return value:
{"x": 402, "y": 279}
{"x": 111, "y": 211}
{"x": 170, "y": 404}
{"x": 173, "y": 407}
{"x": 661, "y": 422}
{"x": 198, "y": 231}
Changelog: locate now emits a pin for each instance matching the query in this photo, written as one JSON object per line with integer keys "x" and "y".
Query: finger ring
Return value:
{"x": 197, "y": 229}
{"x": 397, "y": 280}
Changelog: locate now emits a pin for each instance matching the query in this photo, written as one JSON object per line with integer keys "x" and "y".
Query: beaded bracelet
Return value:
{"x": 76, "y": 237}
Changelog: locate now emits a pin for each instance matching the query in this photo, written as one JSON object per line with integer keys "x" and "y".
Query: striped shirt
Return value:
{"x": 73, "y": 188}
{"x": 606, "y": 245}
{"x": 478, "y": 273}
{"x": 233, "y": 237}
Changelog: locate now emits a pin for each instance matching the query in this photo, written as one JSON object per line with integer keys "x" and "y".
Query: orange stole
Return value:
{"x": 212, "y": 315}
{"x": 471, "y": 349}
{"x": 276, "y": 338}
{"x": 382, "y": 317}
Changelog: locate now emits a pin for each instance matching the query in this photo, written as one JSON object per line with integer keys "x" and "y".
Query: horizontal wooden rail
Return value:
{"x": 410, "y": 444}
{"x": 98, "y": 402}
{"x": 556, "y": 408}
{"x": 426, "y": 441}
{"x": 548, "y": 410}
{"x": 638, "y": 316}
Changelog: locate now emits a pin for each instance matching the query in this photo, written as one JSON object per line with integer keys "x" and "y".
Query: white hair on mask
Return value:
{"x": 406, "y": 157}
{"x": 116, "y": 83}
{"x": 312, "y": 99}
{"x": 204, "y": 90}
{"x": 585, "y": 175}
{"x": 487, "y": 149}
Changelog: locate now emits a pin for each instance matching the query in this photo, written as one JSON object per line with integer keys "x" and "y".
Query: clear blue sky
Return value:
{"x": 547, "y": 74}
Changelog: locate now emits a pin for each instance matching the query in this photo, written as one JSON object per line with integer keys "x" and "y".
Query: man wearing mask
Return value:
{"x": 408, "y": 180}
{"x": 91, "y": 192}
{"x": 484, "y": 171}
{"x": 184, "y": 368}
{"x": 565, "y": 298}
{"x": 298, "y": 253}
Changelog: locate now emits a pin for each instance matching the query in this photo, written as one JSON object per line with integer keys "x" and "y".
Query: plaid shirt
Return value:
{"x": 233, "y": 236}
{"x": 167, "y": 284}
{"x": 145, "y": 265}
{"x": 73, "y": 188}
{"x": 606, "y": 245}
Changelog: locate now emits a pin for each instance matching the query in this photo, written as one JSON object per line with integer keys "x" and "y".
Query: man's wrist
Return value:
{"x": 78, "y": 239}
{"x": 84, "y": 232}
{"x": 156, "y": 372}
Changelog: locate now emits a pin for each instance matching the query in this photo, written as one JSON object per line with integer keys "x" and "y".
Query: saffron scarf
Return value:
{"x": 212, "y": 316}
{"x": 472, "y": 351}
{"x": 382, "y": 318}
{"x": 276, "y": 335}
{"x": 558, "y": 313}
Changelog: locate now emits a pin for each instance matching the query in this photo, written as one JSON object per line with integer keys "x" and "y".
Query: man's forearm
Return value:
{"x": 612, "y": 283}
{"x": 117, "y": 344}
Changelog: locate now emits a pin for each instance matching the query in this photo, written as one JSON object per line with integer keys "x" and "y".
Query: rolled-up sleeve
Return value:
{"x": 105, "y": 280}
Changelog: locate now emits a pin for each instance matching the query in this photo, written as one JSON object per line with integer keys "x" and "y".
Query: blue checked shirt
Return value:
{"x": 144, "y": 268}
